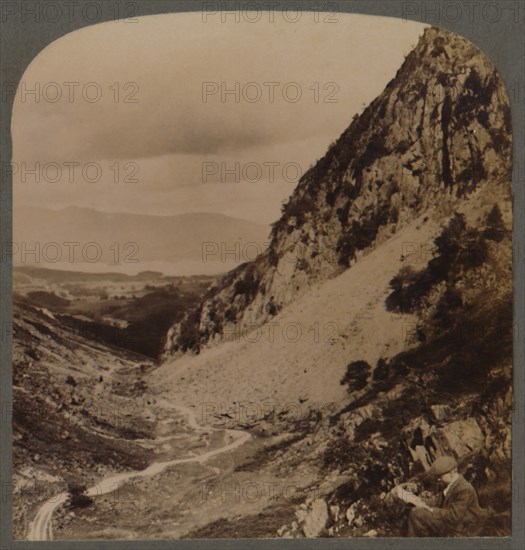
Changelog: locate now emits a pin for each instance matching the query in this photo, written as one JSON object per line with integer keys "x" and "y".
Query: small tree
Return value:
{"x": 356, "y": 376}
{"x": 495, "y": 229}
{"x": 79, "y": 499}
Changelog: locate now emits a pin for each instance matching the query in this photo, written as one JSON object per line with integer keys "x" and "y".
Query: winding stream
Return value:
{"x": 41, "y": 528}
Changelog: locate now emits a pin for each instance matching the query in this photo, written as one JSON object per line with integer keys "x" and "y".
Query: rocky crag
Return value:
{"x": 438, "y": 132}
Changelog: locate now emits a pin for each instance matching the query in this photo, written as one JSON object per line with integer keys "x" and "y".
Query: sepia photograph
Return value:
{"x": 262, "y": 281}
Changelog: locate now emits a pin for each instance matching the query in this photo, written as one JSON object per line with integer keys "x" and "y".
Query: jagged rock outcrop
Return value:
{"x": 437, "y": 132}
{"x": 460, "y": 437}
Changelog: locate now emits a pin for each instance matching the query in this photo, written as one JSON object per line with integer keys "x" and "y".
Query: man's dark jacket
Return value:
{"x": 456, "y": 513}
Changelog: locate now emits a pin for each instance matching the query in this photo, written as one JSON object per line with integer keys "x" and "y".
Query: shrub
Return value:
{"x": 458, "y": 249}
{"x": 409, "y": 288}
{"x": 346, "y": 250}
{"x": 331, "y": 196}
{"x": 399, "y": 412}
{"x": 189, "y": 336}
{"x": 342, "y": 213}
{"x": 475, "y": 95}
{"x": 500, "y": 140}
{"x": 495, "y": 229}
{"x": 338, "y": 453}
{"x": 356, "y": 375}
{"x": 273, "y": 258}
{"x": 360, "y": 235}
{"x": 483, "y": 118}
{"x": 375, "y": 149}
{"x": 247, "y": 285}
{"x": 368, "y": 427}
{"x": 447, "y": 245}
{"x": 299, "y": 208}
{"x": 474, "y": 252}
{"x": 271, "y": 308}
{"x": 78, "y": 496}
{"x": 229, "y": 315}
{"x": 449, "y": 302}
{"x": 394, "y": 215}
{"x": 473, "y": 83}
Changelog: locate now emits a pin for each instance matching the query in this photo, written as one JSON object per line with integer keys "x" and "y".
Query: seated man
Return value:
{"x": 454, "y": 512}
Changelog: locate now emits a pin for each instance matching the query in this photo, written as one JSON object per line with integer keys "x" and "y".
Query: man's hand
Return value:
{"x": 410, "y": 486}
{"x": 396, "y": 491}
{"x": 409, "y": 498}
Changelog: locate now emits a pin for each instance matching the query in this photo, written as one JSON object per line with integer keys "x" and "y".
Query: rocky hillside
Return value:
{"x": 77, "y": 409}
{"x": 437, "y": 133}
{"x": 425, "y": 369}
{"x": 397, "y": 243}
{"x": 448, "y": 392}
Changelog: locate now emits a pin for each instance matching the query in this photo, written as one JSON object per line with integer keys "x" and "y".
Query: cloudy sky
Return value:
{"x": 121, "y": 110}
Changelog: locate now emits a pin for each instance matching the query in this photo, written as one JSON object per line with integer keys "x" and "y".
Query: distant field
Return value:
{"x": 131, "y": 312}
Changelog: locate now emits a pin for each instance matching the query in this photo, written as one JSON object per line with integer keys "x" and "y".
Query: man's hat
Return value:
{"x": 442, "y": 465}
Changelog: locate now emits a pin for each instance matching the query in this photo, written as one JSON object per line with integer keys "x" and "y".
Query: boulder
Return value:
{"x": 334, "y": 511}
{"x": 462, "y": 437}
{"x": 350, "y": 515}
{"x": 315, "y": 521}
{"x": 439, "y": 411}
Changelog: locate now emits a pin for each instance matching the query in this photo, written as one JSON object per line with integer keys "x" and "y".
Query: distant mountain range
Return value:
{"x": 185, "y": 244}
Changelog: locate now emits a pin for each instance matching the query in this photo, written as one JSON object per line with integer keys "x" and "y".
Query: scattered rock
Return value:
{"x": 301, "y": 514}
{"x": 350, "y": 515}
{"x": 440, "y": 412}
{"x": 316, "y": 520}
{"x": 334, "y": 511}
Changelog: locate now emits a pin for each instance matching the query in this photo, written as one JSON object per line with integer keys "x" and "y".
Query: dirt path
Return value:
{"x": 41, "y": 528}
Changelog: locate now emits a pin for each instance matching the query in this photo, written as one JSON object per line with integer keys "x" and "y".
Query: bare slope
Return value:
{"x": 303, "y": 352}
{"x": 301, "y": 355}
